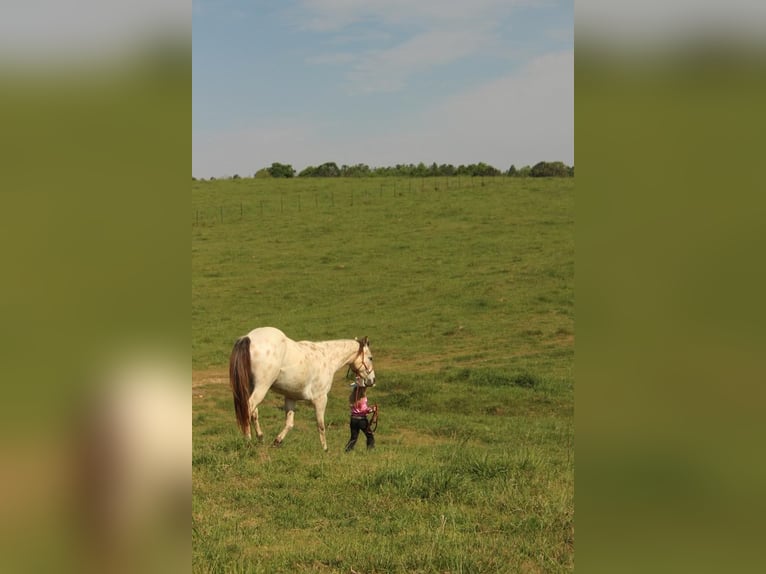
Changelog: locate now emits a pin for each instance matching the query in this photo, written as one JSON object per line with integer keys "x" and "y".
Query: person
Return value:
{"x": 357, "y": 401}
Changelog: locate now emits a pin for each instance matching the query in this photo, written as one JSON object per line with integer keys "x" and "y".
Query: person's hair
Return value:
{"x": 357, "y": 393}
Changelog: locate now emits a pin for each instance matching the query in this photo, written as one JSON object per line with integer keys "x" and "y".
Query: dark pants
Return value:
{"x": 360, "y": 424}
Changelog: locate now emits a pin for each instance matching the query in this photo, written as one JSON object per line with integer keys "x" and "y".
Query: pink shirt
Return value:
{"x": 360, "y": 408}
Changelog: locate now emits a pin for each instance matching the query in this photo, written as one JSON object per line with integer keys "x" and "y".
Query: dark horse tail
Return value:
{"x": 241, "y": 379}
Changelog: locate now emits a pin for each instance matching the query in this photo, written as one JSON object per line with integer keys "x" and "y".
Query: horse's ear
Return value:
{"x": 366, "y": 341}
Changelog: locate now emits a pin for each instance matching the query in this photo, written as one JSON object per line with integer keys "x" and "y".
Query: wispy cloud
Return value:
{"x": 520, "y": 118}
{"x": 334, "y": 15}
{"x": 525, "y": 117}
{"x": 430, "y": 33}
{"x": 388, "y": 70}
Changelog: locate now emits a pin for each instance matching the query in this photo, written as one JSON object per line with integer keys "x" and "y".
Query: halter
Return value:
{"x": 356, "y": 371}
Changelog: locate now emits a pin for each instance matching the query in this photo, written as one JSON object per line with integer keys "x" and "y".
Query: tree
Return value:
{"x": 281, "y": 170}
{"x": 328, "y": 169}
{"x": 357, "y": 170}
{"x": 420, "y": 170}
{"x": 512, "y": 171}
{"x": 549, "y": 169}
{"x": 308, "y": 171}
{"x": 479, "y": 169}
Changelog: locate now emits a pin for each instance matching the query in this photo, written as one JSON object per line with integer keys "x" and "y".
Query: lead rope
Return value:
{"x": 374, "y": 420}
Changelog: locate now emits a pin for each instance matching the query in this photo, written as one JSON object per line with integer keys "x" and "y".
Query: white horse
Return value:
{"x": 300, "y": 371}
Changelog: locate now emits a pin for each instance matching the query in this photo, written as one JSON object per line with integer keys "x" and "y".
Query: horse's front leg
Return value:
{"x": 289, "y": 416}
{"x": 320, "y": 403}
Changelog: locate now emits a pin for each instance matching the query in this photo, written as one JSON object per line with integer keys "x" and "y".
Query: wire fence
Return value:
{"x": 281, "y": 199}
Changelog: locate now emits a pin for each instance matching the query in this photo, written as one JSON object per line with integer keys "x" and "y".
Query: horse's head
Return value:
{"x": 362, "y": 364}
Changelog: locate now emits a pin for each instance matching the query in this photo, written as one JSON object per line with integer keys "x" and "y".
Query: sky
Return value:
{"x": 380, "y": 82}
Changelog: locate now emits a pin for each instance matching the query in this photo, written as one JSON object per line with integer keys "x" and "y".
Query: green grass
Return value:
{"x": 466, "y": 291}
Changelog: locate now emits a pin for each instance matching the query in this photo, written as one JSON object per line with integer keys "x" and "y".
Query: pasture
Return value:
{"x": 466, "y": 290}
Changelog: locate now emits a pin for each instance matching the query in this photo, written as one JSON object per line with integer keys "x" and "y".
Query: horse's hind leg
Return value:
{"x": 255, "y": 399}
{"x": 254, "y": 421}
{"x": 289, "y": 416}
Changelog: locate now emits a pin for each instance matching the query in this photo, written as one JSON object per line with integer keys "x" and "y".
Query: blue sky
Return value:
{"x": 381, "y": 82}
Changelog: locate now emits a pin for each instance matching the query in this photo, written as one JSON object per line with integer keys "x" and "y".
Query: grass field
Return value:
{"x": 465, "y": 288}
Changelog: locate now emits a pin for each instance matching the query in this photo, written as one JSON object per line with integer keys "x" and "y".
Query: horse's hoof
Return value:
{"x": 276, "y": 444}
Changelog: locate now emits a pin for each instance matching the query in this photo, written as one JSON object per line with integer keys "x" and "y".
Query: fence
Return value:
{"x": 279, "y": 199}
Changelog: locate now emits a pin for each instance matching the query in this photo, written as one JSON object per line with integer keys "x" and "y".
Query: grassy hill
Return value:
{"x": 465, "y": 288}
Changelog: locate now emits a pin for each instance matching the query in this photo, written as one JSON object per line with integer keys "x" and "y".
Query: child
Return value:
{"x": 357, "y": 400}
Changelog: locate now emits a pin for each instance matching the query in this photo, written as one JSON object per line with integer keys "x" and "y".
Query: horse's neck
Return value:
{"x": 340, "y": 353}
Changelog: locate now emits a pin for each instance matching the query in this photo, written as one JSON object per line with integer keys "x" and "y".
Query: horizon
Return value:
{"x": 375, "y": 168}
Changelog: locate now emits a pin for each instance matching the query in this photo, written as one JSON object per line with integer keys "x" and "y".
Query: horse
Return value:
{"x": 267, "y": 359}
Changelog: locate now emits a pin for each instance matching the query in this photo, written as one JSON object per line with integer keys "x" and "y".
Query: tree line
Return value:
{"x": 331, "y": 169}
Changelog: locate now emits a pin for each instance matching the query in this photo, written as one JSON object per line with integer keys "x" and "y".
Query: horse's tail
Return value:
{"x": 241, "y": 379}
